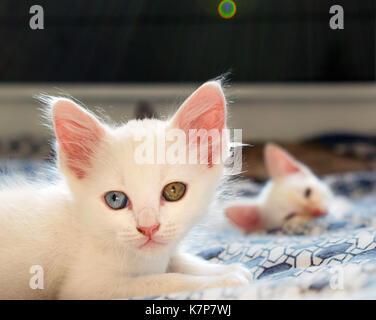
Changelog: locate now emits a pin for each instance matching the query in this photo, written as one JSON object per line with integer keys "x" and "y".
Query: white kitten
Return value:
{"x": 110, "y": 227}
{"x": 293, "y": 192}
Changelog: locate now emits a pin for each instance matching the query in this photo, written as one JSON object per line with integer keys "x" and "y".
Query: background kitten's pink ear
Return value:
{"x": 280, "y": 163}
{"x": 78, "y": 134}
{"x": 246, "y": 217}
{"x": 204, "y": 109}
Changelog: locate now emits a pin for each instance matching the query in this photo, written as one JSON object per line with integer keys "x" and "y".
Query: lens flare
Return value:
{"x": 227, "y": 9}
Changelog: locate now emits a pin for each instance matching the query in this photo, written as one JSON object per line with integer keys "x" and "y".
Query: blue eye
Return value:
{"x": 116, "y": 200}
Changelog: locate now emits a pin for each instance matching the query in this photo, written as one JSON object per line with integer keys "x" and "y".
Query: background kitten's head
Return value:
{"x": 293, "y": 192}
{"x": 145, "y": 206}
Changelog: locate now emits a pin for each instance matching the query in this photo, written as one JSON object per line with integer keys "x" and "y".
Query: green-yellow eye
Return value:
{"x": 174, "y": 191}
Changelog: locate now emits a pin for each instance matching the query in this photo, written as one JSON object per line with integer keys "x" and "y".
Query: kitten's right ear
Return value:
{"x": 246, "y": 217}
{"x": 78, "y": 134}
{"x": 204, "y": 110}
{"x": 280, "y": 163}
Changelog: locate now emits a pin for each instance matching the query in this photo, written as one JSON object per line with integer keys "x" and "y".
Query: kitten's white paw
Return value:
{"x": 240, "y": 269}
{"x": 233, "y": 275}
{"x": 233, "y": 279}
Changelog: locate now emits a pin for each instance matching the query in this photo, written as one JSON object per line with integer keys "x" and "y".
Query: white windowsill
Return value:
{"x": 267, "y": 112}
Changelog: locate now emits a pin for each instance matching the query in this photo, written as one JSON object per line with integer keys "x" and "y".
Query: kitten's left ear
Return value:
{"x": 204, "y": 109}
{"x": 280, "y": 163}
{"x": 246, "y": 217}
{"x": 78, "y": 134}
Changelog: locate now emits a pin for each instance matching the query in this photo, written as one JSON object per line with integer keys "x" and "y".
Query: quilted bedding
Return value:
{"x": 329, "y": 257}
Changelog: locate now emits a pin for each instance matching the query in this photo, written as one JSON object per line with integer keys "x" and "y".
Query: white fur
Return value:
{"x": 283, "y": 197}
{"x": 89, "y": 251}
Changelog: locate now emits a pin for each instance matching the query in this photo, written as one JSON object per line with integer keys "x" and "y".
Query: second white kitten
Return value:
{"x": 293, "y": 192}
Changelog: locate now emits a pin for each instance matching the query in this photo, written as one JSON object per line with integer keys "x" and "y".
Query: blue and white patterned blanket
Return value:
{"x": 325, "y": 258}
{"x": 328, "y": 258}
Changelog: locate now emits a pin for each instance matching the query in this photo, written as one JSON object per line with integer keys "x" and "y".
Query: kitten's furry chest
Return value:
{"x": 141, "y": 266}
{"x": 119, "y": 262}
{"x": 95, "y": 272}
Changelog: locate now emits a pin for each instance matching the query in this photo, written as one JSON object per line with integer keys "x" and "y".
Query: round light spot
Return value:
{"x": 227, "y": 9}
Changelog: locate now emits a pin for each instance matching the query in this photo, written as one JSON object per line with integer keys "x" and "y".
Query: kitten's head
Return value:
{"x": 127, "y": 189}
{"x": 293, "y": 192}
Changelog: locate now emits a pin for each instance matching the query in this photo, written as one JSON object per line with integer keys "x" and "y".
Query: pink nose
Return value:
{"x": 318, "y": 213}
{"x": 148, "y": 231}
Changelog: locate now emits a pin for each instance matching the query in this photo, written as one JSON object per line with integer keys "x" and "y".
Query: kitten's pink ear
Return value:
{"x": 204, "y": 109}
{"x": 78, "y": 134}
{"x": 246, "y": 217}
{"x": 280, "y": 163}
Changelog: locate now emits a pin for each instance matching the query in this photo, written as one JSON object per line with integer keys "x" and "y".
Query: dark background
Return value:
{"x": 186, "y": 40}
